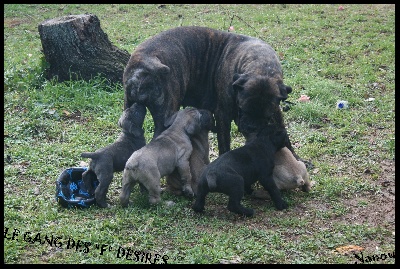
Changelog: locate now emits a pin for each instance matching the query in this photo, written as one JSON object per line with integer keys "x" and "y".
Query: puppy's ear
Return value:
{"x": 137, "y": 132}
{"x": 279, "y": 138}
{"x": 207, "y": 119}
{"x": 288, "y": 89}
{"x": 132, "y": 119}
{"x": 136, "y": 114}
{"x": 193, "y": 126}
{"x": 168, "y": 122}
{"x": 122, "y": 123}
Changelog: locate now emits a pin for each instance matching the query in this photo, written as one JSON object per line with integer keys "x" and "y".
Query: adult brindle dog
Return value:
{"x": 226, "y": 73}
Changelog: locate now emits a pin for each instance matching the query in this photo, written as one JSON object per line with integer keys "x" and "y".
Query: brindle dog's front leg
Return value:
{"x": 159, "y": 115}
{"x": 223, "y": 128}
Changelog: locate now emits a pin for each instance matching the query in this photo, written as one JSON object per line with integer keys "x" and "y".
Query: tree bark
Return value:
{"x": 77, "y": 48}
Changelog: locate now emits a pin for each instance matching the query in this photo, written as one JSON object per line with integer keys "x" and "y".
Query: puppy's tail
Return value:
{"x": 92, "y": 155}
{"x": 132, "y": 164}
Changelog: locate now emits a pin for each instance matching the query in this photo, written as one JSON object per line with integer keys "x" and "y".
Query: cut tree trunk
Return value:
{"x": 76, "y": 48}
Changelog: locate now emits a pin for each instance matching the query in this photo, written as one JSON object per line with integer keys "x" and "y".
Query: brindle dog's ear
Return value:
{"x": 154, "y": 65}
{"x": 238, "y": 81}
{"x": 284, "y": 91}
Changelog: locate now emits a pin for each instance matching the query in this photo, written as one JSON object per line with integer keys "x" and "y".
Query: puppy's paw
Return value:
{"x": 261, "y": 194}
{"x": 281, "y": 206}
{"x": 142, "y": 188}
{"x": 154, "y": 200}
{"x": 248, "y": 212}
{"x": 188, "y": 192}
{"x": 124, "y": 200}
{"x": 306, "y": 188}
{"x": 102, "y": 204}
{"x": 198, "y": 208}
{"x": 125, "y": 204}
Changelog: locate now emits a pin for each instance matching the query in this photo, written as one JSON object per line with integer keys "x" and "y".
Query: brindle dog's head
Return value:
{"x": 141, "y": 80}
{"x": 258, "y": 98}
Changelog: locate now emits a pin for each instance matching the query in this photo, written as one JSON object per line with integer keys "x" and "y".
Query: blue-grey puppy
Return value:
{"x": 112, "y": 158}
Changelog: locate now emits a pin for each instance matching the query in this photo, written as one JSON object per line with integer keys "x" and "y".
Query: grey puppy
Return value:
{"x": 198, "y": 160}
{"x": 288, "y": 173}
{"x": 112, "y": 158}
{"x": 169, "y": 151}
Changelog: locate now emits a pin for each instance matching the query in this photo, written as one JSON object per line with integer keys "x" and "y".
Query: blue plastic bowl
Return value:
{"x": 71, "y": 190}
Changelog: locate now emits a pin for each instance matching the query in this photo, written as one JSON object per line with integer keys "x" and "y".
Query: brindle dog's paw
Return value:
{"x": 198, "y": 208}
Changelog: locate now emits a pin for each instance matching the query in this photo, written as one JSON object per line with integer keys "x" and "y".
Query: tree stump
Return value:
{"x": 76, "y": 48}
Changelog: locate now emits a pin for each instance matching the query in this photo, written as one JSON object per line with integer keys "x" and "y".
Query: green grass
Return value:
{"x": 327, "y": 54}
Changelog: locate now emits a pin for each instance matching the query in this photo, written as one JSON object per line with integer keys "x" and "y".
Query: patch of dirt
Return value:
{"x": 13, "y": 22}
{"x": 379, "y": 211}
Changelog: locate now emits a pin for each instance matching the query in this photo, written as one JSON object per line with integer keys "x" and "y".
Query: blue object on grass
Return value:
{"x": 71, "y": 190}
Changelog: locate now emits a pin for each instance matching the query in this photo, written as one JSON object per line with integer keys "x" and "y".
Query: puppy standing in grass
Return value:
{"x": 169, "y": 151}
{"x": 235, "y": 171}
{"x": 198, "y": 160}
{"x": 110, "y": 159}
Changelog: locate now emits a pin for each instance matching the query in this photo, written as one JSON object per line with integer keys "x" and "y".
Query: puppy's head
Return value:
{"x": 131, "y": 120}
{"x": 192, "y": 120}
{"x": 207, "y": 120}
{"x": 279, "y": 138}
{"x": 277, "y": 135}
{"x": 88, "y": 178}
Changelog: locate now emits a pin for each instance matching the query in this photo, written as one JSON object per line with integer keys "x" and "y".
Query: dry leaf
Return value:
{"x": 83, "y": 164}
{"x": 349, "y": 248}
{"x": 233, "y": 260}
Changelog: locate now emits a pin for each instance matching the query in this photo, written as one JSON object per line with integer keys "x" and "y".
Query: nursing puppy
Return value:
{"x": 197, "y": 161}
{"x": 289, "y": 173}
{"x": 225, "y": 73}
{"x": 169, "y": 151}
{"x": 234, "y": 172}
{"x": 112, "y": 158}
